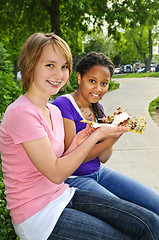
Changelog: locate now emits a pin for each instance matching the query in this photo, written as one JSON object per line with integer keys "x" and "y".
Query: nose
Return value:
{"x": 98, "y": 87}
{"x": 58, "y": 74}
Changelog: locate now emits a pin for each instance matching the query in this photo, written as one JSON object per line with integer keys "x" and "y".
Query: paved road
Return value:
{"x": 136, "y": 155}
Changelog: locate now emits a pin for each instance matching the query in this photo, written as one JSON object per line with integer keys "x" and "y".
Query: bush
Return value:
{"x": 6, "y": 229}
{"x": 73, "y": 80}
{"x": 113, "y": 85}
{"x": 10, "y": 89}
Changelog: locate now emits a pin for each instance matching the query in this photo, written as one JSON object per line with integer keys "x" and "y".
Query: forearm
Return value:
{"x": 72, "y": 147}
{"x": 101, "y": 149}
{"x": 41, "y": 153}
{"x": 68, "y": 163}
{"x": 57, "y": 169}
{"x": 105, "y": 155}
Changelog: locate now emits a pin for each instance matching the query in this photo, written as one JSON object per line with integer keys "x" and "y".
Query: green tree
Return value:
{"x": 98, "y": 42}
{"x": 19, "y": 19}
{"x": 72, "y": 19}
{"x": 140, "y": 18}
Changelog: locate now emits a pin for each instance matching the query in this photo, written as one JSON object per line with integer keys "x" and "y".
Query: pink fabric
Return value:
{"x": 27, "y": 190}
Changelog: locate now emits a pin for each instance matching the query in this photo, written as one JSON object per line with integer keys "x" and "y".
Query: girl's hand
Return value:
{"x": 112, "y": 131}
{"x": 84, "y": 134}
{"x": 80, "y": 138}
{"x": 104, "y": 120}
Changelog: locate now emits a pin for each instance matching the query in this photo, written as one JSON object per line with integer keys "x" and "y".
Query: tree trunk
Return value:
{"x": 54, "y": 12}
{"x": 55, "y": 17}
{"x": 148, "y": 62}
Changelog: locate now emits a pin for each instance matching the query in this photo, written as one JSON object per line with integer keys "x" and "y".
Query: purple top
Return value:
{"x": 70, "y": 110}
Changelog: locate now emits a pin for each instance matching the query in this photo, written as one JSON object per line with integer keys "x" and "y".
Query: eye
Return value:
{"x": 65, "y": 67}
{"x": 49, "y": 65}
{"x": 92, "y": 80}
{"x": 104, "y": 83}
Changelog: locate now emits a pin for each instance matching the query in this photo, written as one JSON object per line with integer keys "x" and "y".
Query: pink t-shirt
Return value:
{"x": 27, "y": 190}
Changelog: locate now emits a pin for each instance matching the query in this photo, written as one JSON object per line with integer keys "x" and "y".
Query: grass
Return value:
{"x": 153, "y": 106}
{"x": 137, "y": 75}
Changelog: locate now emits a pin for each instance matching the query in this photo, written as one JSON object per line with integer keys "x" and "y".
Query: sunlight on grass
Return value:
{"x": 137, "y": 75}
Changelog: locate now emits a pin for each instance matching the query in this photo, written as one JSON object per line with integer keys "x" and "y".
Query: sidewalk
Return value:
{"x": 136, "y": 155}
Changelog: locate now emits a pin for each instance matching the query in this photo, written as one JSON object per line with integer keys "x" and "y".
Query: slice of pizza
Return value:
{"x": 121, "y": 118}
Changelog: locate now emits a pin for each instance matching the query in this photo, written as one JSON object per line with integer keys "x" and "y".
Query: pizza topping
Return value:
{"x": 121, "y": 118}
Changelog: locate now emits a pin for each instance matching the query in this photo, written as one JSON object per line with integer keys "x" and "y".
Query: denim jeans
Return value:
{"x": 115, "y": 184}
{"x": 92, "y": 216}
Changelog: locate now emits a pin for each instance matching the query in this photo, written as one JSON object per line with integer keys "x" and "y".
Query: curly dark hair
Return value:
{"x": 85, "y": 64}
{"x": 93, "y": 59}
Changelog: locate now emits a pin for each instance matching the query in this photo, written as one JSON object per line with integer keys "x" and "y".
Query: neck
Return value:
{"x": 80, "y": 100}
{"x": 39, "y": 101}
{"x": 86, "y": 110}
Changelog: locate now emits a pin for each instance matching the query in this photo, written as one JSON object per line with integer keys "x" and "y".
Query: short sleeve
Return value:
{"x": 25, "y": 124}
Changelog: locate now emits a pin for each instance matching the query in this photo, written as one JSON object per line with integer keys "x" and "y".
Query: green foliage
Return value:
{"x": 73, "y": 80}
{"x": 113, "y": 85}
{"x": 153, "y": 105}
{"x": 6, "y": 229}
{"x": 9, "y": 89}
{"x": 75, "y": 19}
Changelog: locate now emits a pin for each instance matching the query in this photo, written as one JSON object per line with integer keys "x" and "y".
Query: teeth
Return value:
{"x": 54, "y": 83}
{"x": 96, "y": 95}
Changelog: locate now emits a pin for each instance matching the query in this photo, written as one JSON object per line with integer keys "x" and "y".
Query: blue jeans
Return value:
{"x": 115, "y": 184}
{"x": 92, "y": 216}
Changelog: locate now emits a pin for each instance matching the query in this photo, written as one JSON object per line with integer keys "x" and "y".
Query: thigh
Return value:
{"x": 77, "y": 225}
{"x": 89, "y": 183}
{"x": 128, "y": 189}
{"x": 133, "y": 220}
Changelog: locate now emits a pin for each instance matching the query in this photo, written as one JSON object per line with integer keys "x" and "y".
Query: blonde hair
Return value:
{"x": 32, "y": 50}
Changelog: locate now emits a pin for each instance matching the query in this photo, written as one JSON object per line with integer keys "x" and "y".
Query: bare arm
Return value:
{"x": 101, "y": 150}
{"x": 41, "y": 154}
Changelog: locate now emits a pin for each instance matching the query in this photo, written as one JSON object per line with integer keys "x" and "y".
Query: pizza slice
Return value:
{"x": 121, "y": 118}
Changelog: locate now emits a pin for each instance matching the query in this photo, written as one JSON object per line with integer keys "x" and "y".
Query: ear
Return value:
{"x": 79, "y": 77}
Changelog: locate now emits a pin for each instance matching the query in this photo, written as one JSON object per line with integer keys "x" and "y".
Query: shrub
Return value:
{"x": 6, "y": 229}
{"x": 113, "y": 85}
{"x": 10, "y": 89}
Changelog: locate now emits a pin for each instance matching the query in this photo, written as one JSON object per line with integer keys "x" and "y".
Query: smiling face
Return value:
{"x": 93, "y": 84}
{"x": 51, "y": 72}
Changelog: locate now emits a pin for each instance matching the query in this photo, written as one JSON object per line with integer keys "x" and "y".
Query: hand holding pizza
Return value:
{"x": 121, "y": 118}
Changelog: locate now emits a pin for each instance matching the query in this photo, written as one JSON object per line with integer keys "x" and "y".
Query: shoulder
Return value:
{"x": 22, "y": 111}
{"x": 63, "y": 103}
{"x": 67, "y": 106}
{"x": 61, "y": 100}
{"x": 19, "y": 107}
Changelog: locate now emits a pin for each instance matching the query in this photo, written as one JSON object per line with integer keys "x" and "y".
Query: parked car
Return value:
{"x": 127, "y": 69}
{"x": 116, "y": 70}
{"x": 157, "y": 68}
